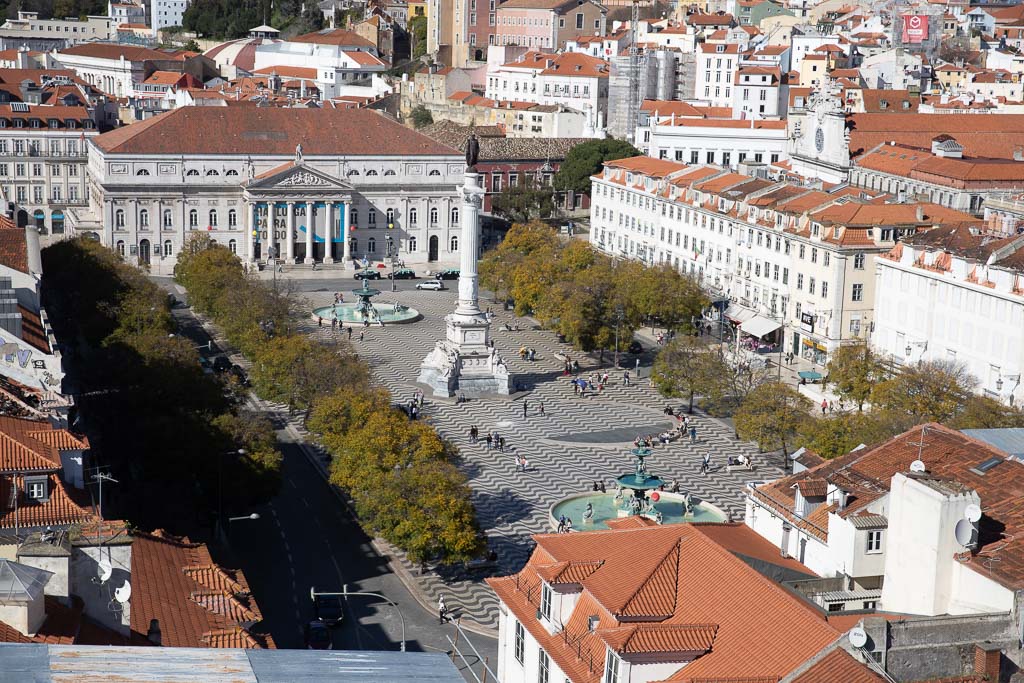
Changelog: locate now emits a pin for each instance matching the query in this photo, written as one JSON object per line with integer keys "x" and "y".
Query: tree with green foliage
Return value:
{"x": 854, "y": 371}
{"x": 839, "y": 434}
{"x": 421, "y": 116}
{"x": 524, "y": 201}
{"x": 587, "y": 159}
{"x": 932, "y": 391}
{"x": 772, "y": 415}
{"x": 192, "y": 46}
{"x": 687, "y": 367}
{"x": 418, "y": 36}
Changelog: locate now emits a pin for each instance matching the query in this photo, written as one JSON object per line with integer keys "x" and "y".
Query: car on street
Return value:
{"x": 403, "y": 274}
{"x": 448, "y": 274}
{"x": 329, "y": 609}
{"x": 206, "y": 365}
{"x": 635, "y": 347}
{"x": 367, "y": 275}
{"x": 435, "y": 285}
{"x": 221, "y": 364}
{"x": 318, "y": 636}
{"x": 239, "y": 374}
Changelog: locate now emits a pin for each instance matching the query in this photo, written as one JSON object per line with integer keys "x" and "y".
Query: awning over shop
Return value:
{"x": 759, "y": 327}
{"x": 809, "y": 375}
{"x": 738, "y": 314}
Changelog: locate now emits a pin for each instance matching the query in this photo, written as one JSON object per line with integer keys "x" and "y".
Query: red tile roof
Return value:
{"x": 59, "y": 510}
{"x": 334, "y": 36}
{"x": 198, "y": 603}
{"x": 981, "y": 136}
{"x": 13, "y": 248}
{"x": 271, "y": 130}
{"x": 838, "y": 666}
{"x": 114, "y": 51}
{"x": 61, "y": 626}
{"x": 699, "y": 591}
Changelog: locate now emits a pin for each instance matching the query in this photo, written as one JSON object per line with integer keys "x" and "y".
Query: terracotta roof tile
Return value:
{"x": 334, "y": 36}
{"x": 114, "y": 51}
{"x": 981, "y": 136}
{"x": 18, "y": 510}
{"x": 660, "y": 639}
{"x": 13, "y": 249}
{"x": 837, "y": 666}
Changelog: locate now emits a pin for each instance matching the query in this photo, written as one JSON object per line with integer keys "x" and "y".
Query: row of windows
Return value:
{"x": 168, "y": 220}
{"x": 21, "y": 170}
{"x": 22, "y": 147}
{"x": 21, "y": 195}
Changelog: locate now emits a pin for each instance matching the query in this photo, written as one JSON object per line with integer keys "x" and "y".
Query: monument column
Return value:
{"x": 290, "y": 235}
{"x": 329, "y": 231}
{"x": 469, "y": 244}
{"x": 250, "y": 228}
{"x": 310, "y": 231}
{"x": 346, "y": 228}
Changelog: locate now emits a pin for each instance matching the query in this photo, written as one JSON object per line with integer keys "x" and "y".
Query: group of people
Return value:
{"x": 527, "y": 353}
{"x": 564, "y": 524}
{"x": 570, "y": 367}
{"x": 526, "y": 408}
{"x": 522, "y": 464}
{"x": 599, "y": 486}
{"x": 415, "y": 403}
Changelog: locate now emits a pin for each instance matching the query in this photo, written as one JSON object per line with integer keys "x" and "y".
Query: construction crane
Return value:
{"x": 632, "y": 112}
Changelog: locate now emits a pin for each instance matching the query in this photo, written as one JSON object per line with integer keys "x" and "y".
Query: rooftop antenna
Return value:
{"x": 101, "y": 477}
{"x": 920, "y": 445}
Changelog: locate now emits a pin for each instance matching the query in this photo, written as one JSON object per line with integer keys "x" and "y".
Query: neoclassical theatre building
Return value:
{"x": 302, "y": 184}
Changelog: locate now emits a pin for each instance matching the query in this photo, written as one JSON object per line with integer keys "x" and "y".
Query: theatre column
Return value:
{"x": 346, "y": 233}
{"x": 290, "y": 236}
{"x": 310, "y": 232}
{"x": 270, "y": 224}
{"x": 328, "y": 232}
{"x": 250, "y": 232}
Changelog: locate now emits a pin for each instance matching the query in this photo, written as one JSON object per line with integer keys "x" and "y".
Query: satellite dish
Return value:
{"x": 104, "y": 571}
{"x": 858, "y": 637}
{"x": 972, "y": 513}
{"x": 965, "y": 533}
{"x": 123, "y": 593}
{"x": 918, "y": 466}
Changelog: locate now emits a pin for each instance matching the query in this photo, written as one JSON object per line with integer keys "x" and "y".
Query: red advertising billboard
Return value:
{"x": 915, "y": 28}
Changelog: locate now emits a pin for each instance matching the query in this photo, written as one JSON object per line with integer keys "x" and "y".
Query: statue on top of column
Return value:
{"x": 298, "y": 153}
{"x": 472, "y": 152}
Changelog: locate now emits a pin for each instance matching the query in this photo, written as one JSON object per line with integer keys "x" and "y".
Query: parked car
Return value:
{"x": 239, "y": 374}
{"x": 448, "y": 274}
{"x": 636, "y": 347}
{"x": 318, "y": 636}
{"x": 403, "y": 274}
{"x": 367, "y": 275}
{"x": 221, "y": 364}
{"x": 206, "y": 365}
{"x": 435, "y": 285}
{"x": 329, "y": 609}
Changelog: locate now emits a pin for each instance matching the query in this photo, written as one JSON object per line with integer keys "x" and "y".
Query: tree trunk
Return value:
{"x": 689, "y": 408}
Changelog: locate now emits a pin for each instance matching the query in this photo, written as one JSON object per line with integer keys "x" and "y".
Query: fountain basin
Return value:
{"x": 347, "y": 314}
{"x": 670, "y": 506}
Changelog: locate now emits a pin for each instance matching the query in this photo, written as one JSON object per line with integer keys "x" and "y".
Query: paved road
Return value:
{"x": 305, "y": 537}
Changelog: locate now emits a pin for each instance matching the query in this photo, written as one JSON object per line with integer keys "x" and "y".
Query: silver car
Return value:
{"x": 435, "y": 285}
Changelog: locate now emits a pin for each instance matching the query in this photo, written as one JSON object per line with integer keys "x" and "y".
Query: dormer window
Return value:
{"x": 36, "y": 488}
{"x": 545, "y": 601}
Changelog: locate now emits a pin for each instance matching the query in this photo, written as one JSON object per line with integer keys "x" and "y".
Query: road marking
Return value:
{"x": 289, "y": 553}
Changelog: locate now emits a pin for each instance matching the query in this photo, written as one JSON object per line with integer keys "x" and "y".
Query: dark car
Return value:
{"x": 403, "y": 274}
{"x": 367, "y": 275}
{"x": 221, "y": 364}
{"x": 206, "y": 365}
{"x": 318, "y": 636}
{"x": 448, "y": 274}
{"x": 329, "y": 609}
{"x": 239, "y": 374}
{"x": 636, "y": 347}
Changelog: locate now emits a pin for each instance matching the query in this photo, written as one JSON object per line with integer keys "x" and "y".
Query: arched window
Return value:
{"x": 191, "y": 172}
{"x": 213, "y": 218}
{"x": 120, "y": 248}
{"x": 371, "y": 216}
{"x": 371, "y": 172}
{"x": 433, "y": 215}
{"x": 390, "y": 216}
{"x": 412, "y": 216}
{"x": 453, "y": 244}
{"x": 142, "y": 171}
{"x": 353, "y": 245}
{"x": 168, "y": 219}
{"x": 389, "y": 172}
{"x": 168, "y": 248}
{"x": 212, "y": 172}
{"x": 412, "y": 244}
{"x": 233, "y": 246}
{"x": 232, "y": 172}
{"x": 193, "y": 219}
{"x": 144, "y": 218}
{"x": 352, "y": 173}
{"x": 354, "y": 218}
{"x": 232, "y": 218}
{"x": 119, "y": 218}
{"x": 371, "y": 245}
{"x": 434, "y": 172}
{"x": 455, "y": 216}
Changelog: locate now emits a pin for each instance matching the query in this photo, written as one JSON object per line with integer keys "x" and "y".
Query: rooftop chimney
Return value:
{"x": 153, "y": 635}
{"x": 920, "y": 213}
{"x": 986, "y": 661}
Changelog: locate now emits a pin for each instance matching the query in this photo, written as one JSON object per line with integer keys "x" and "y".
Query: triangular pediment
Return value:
{"x": 294, "y": 175}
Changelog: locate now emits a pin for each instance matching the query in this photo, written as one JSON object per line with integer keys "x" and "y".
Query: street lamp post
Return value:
{"x": 346, "y": 593}
{"x": 220, "y": 482}
{"x": 392, "y": 250}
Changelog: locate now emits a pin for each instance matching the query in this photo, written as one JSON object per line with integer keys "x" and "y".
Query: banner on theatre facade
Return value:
{"x": 915, "y": 28}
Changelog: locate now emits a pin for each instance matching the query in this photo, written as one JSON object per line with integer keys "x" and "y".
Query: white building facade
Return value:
{"x": 72, "y": 31}
{"x": 299, "y": 184}
{"x": 573, "y": 80}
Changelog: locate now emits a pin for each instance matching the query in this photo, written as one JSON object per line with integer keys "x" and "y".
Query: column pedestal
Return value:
{"x": 464, "y": 362}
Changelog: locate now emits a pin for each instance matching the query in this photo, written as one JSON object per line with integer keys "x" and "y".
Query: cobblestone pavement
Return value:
{"x": 576, "y": 441}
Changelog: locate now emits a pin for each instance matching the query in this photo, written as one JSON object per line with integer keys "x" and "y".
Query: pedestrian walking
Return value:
{"x": 360, "y": 335}
{"x": 705, "y": 465}
{"x": 319, "y": 321}
{"x": 334, "y": 323}
{"x": 693, "y": 435}
{"x": 442, "y": 610}
{"x": 519, "y": 464}
{"x": 824, "y": 406}
{"x": 488, "y": 439}
{"x": 415, "y": 412}
{"x": 501, "y": 444}
{"x": 525, "y": 406}
{"x": 637, "y": 367}
{"x": 830, "y": 407}
{"x": 625, "y": 378}
{"x": 473, "y": 434}
{"x": 526, "y": 464}
{"x": 540, "y": 409}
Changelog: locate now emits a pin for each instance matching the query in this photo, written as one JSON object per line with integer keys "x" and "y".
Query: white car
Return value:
{"x": 435, "y": 285}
